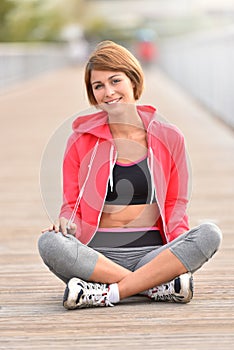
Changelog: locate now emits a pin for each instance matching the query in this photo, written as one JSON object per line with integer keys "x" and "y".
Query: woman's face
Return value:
{"x": 111, "y": 88}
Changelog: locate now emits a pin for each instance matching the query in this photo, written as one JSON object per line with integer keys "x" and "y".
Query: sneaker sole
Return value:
{"x": 69, "y": 298}
{"x": 188, "y": 287}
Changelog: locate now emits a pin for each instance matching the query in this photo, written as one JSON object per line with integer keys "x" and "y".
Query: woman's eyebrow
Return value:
{"x": 96, "y": 82}
{"x": 100, "y": 82}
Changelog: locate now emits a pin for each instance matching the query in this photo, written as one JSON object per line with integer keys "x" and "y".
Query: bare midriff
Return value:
{"x": 140, "y": 215}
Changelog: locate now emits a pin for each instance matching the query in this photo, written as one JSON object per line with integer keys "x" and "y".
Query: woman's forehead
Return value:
{"x": 99, "y": 75}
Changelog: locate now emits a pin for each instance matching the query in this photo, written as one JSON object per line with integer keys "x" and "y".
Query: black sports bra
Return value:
{"x": 131, "y": 184}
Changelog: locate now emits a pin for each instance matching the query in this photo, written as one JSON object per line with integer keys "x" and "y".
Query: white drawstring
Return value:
{"x": 151, "y": 166}
{"x": 112, "y": 163}
{"x": 83, "y": 187}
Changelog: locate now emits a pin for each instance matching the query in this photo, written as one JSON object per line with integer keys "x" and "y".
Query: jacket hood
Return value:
{"x": 97, "y": 123}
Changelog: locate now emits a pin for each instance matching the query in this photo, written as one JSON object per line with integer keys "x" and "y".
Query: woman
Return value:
{"x": 123, "y": 228}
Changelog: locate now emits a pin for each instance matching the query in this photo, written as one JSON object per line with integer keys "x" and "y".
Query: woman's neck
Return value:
{"x": 120, "y": 130}
{"x": 126, "y": 123}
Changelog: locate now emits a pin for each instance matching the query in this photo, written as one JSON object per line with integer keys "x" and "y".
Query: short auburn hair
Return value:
{"x": 109, "y": 56}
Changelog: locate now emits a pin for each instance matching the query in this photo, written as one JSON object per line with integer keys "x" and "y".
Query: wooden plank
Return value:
{"x": 31, "y": 312}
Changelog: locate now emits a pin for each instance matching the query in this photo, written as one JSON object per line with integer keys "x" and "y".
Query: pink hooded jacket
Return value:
{"x": 89, "y": 160}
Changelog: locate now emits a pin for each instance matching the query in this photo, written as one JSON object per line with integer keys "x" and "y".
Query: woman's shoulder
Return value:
{"x": 90, "y": 121}
{"x": 85, "y": 126}
{"x": 164, "y": 128}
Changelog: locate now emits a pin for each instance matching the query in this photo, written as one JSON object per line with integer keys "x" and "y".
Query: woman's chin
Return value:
{"x": 117, "y": 107}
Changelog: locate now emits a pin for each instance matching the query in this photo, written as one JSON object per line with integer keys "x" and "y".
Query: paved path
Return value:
{"x": 31, "y": 313}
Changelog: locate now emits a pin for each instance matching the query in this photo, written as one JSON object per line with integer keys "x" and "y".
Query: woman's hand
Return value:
{"x": 61, "y": 225}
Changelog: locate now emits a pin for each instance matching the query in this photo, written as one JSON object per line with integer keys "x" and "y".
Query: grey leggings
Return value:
{"x": 67, "y": 257}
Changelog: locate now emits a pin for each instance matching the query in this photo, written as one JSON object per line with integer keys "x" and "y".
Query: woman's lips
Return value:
{"x": 116, "y": 100}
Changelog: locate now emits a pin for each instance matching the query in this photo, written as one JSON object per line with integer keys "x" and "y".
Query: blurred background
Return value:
{"x": 191, "y": 40}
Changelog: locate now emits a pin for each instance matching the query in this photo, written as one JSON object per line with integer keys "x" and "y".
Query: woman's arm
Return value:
{"x": 177, "y": 191}
{"x": 70, "y": 191}
{"x": 71, "y": 166}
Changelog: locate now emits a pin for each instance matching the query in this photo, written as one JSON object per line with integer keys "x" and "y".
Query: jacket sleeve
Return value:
{"x": 177, "y": 190}
{"x": 71, "y": 166}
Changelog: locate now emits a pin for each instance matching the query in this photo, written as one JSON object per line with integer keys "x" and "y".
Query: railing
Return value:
{"x": 23, "y": 61}
{"x": 203, "y": 65}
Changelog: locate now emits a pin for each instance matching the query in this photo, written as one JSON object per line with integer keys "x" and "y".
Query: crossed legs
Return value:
{"x": 68, "y": 258}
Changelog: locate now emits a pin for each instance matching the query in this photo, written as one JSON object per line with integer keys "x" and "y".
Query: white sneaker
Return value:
{"x": 179, "y": 290}
{"x": 80, "y": 294}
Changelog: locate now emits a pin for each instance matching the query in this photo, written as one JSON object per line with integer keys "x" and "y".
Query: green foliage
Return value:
{"x": 6, "y": 7}
{"x": 30, "y": 20}
{"x": 44, "y": 20}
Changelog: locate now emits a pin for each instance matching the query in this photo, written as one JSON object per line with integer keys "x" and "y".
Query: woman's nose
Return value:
{"x": 109, "y": 91}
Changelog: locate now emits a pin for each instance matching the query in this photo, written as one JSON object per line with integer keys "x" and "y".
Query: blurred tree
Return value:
{"x": 97, "y": 29}
{"x": 34, "y": 20}
{"x": 5, "y": 8}
{"x": 74, "y": 11}
{"x": 37, "y": 20}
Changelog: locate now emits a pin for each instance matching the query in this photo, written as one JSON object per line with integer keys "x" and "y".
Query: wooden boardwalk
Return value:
{"x": 31, "y": 312}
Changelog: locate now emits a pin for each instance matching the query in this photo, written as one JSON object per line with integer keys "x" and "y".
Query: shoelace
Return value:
{"x": 164, "y": 292}
{"x": 96, "y": 294}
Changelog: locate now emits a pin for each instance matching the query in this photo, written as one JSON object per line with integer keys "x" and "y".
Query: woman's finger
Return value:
{"x": 50, "y": 228}
{"x": 56, "y": 226}
{"x": 63, "y": 226}
{"x": 72, "y": 229}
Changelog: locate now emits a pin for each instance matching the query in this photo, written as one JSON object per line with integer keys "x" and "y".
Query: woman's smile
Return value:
{"x": 113, "y": 101}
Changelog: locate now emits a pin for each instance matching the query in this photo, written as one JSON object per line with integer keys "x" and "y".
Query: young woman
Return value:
{"x": 123, "y": 228}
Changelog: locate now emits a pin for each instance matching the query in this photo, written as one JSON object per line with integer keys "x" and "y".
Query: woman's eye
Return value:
{"x": 115, "y": 81}
{"x": 97, "y": 87}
